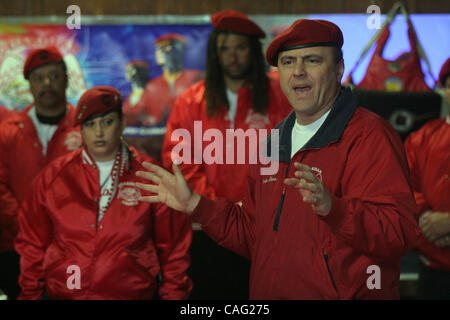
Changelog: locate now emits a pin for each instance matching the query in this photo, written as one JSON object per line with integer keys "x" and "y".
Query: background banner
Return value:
{"x": 152, "y": 59}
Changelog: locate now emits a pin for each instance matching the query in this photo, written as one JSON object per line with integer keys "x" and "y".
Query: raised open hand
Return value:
{"x": 170, "y": 189}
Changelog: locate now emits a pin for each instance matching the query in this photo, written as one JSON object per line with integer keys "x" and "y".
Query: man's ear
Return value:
{"x": 340, "y": 70}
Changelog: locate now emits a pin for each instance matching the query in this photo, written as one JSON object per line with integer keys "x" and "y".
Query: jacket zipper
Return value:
{"x": 330, "y": 276}
{"x": 280, "y": 206}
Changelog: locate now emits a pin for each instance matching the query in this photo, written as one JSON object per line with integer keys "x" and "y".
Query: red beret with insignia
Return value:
{"x": 305, "y": 33}
{"x": 230, "y": 20}
{"x": 39, "y": 57}
{"x": 445, "y": 71}
{"x": 96, "y": 101}
{"x": 170, "y": 36}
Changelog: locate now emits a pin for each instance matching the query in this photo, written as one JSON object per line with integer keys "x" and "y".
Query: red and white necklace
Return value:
{"x": 110, "y": 188}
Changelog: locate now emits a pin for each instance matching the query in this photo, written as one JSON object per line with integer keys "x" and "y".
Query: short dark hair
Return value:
{"x": 337, "y": 54}
{"x": 98, "y": 115}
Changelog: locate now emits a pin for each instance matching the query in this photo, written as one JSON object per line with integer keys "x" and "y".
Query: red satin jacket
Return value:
{"x": 216, "y": 179}
{"x": 5, "y": 113}
{"x": 136, "y": 114}
{"x": 159, "y": 96}
{"x": 21, "y": 159}
{"x": 118, "y": 258}
{"x": 428, "y": 151}
{"x": 296, "y": 254}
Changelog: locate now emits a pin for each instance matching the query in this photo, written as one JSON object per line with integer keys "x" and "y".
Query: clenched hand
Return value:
{"x": 436, "y": 228}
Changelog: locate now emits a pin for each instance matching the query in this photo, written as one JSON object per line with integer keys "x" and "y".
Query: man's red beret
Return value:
{"x": 96, "y": 101}
{"x": 171, "y": 36}
{"x": 230, "y": 20}
{"x": 305, "y": 33}
{"x": 137, "y": 63}
{"x": 39, "y": 57}
{"x": 445, "y": 71}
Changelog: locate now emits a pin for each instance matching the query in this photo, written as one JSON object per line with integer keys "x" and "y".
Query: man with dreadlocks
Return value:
{"x": 236, "y": 94}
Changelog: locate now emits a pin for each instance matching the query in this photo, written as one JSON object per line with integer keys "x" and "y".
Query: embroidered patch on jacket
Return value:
{"x": 129, "y": 193}
{"x": 317, "y": 172}
{"x": 73, "y": 140}
{"x": 270, "y": 179}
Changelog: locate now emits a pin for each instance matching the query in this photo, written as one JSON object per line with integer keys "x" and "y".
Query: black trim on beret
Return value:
{"x": 308, "y": 45}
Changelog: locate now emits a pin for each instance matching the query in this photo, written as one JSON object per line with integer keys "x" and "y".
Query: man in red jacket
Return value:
{"x": 335, "y": 220}
{"x": 29, "y": 140}
{"x": 429, "y": 160}
{"x": 236, "y": 94}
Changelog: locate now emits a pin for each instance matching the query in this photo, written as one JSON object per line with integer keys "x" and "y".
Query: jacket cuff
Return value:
{"x": 200, "y": 213}
{"x": 336, "y": 216}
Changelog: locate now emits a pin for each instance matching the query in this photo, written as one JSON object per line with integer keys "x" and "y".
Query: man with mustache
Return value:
{"x": 236, "y": 94}
{"x": 29, "y": 140}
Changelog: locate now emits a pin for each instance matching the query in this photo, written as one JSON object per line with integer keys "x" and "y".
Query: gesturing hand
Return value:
{"x": 172, "y": 190}
{"x": 443, "y": 242}
{"x": 435, "y": 225}
{"x": 311, "y": 189}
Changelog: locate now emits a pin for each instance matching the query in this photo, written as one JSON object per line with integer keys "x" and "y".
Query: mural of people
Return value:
{"x": 133, "y": 107}
{"x": 160, "y": 93}
{"x": 153, "y": 106}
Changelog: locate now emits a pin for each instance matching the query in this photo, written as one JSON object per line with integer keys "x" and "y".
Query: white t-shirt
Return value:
{"x": 104, "y": 170}
{"x": 232, "y": 101}
{"x": 45, "y": 131}
{"x": 302, "y": 134}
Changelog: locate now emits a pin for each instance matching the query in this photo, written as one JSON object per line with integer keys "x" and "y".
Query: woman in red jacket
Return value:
{"x": 83, "y": 232}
